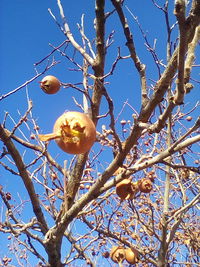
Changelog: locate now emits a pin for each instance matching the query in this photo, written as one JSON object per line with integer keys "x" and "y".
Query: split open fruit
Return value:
{"x": 74, "y": 132}
{"x": 145, "y": 185}
{"x": 117, "y": 254}
{"x": 50, "y": 84}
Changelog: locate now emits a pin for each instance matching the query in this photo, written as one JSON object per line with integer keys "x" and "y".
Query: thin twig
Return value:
{"x": 29, "y": 81}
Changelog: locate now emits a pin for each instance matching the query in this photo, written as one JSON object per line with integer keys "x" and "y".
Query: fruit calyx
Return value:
{"x": 71, "y": 134}
{"x": 68, "y": 133}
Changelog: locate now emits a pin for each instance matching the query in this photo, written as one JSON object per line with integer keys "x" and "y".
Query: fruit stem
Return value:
{"x": 48, "y": 137}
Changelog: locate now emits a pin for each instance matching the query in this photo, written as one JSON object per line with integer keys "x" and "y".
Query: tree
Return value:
{"x": 136, "y": 192}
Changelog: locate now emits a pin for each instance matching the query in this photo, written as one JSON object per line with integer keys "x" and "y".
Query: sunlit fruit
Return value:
{"x": 131, "y": 255}
{"x": 126, "y": 189}
{"x": 117, "y": 254}
{"x": 145, "y": 185}
{"x": 50, "y": 84}
{"x": 74, "y": 132}
{"x": 188, "y": 118}
{"x": 123, "y": 122}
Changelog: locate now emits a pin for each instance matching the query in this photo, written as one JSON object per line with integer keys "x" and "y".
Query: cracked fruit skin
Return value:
{"x": 50, "y": 84}
{"x": 74, "y": 132}
{"x": 145, "y": 185}
{"x": 117, "y": 254}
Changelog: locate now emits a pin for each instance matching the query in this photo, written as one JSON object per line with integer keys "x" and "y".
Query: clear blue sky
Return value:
{"x": 26, "y": 29}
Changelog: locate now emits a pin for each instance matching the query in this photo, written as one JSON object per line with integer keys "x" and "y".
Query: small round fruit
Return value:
{"x": 8, "y": 196}
{"x": 145, "y": 185}
{"x": 188, "y": 118}
{"x": 131, "y": 255}
{"x": 117, "y": 254}
{"x": 126, "y": 189}
{"x": 74, "y": 132}
{"x": 106, "y": 254}
{"x": 185, "y": 174}
{"x": 50, "y": 84}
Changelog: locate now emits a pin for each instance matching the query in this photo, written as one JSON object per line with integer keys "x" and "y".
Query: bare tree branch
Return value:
{"x": 25, "y": 177}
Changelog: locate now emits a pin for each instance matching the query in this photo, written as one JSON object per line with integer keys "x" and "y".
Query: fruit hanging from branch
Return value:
{"x": 131, "y": 255}
{"x": 145, "y": 185}
{"x": 126, "y": 189}
{"x": 74, "y": 132}
{"x": 117, "y": 254}
{"x": 50, "y": 84}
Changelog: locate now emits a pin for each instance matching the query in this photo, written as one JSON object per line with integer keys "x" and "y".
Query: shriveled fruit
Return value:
{"x": 8, "y": 196}
{"x": 126, "y": 189}
{"x": 185, "y": 174}
{"x": 117, "y": 254}
{"x": 106, "y": 254}
{"x": 74, "y": 132}
{"x": 131, "y": 255}
{"x": 145, "y": 185}
{"x": 50, "y": 84}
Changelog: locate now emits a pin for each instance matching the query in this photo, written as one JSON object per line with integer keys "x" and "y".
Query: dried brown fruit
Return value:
{"x": 106, "y": 254}
{"x": 145, "y": 185}
{"x": 8, "y": 196}
{"x": 185, "y": 174}
{"x": 126, "y": 189}
{"x": 117, "y": 254}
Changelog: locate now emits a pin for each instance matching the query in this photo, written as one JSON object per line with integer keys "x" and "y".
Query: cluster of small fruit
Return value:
{"x": 127, "y": 190}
